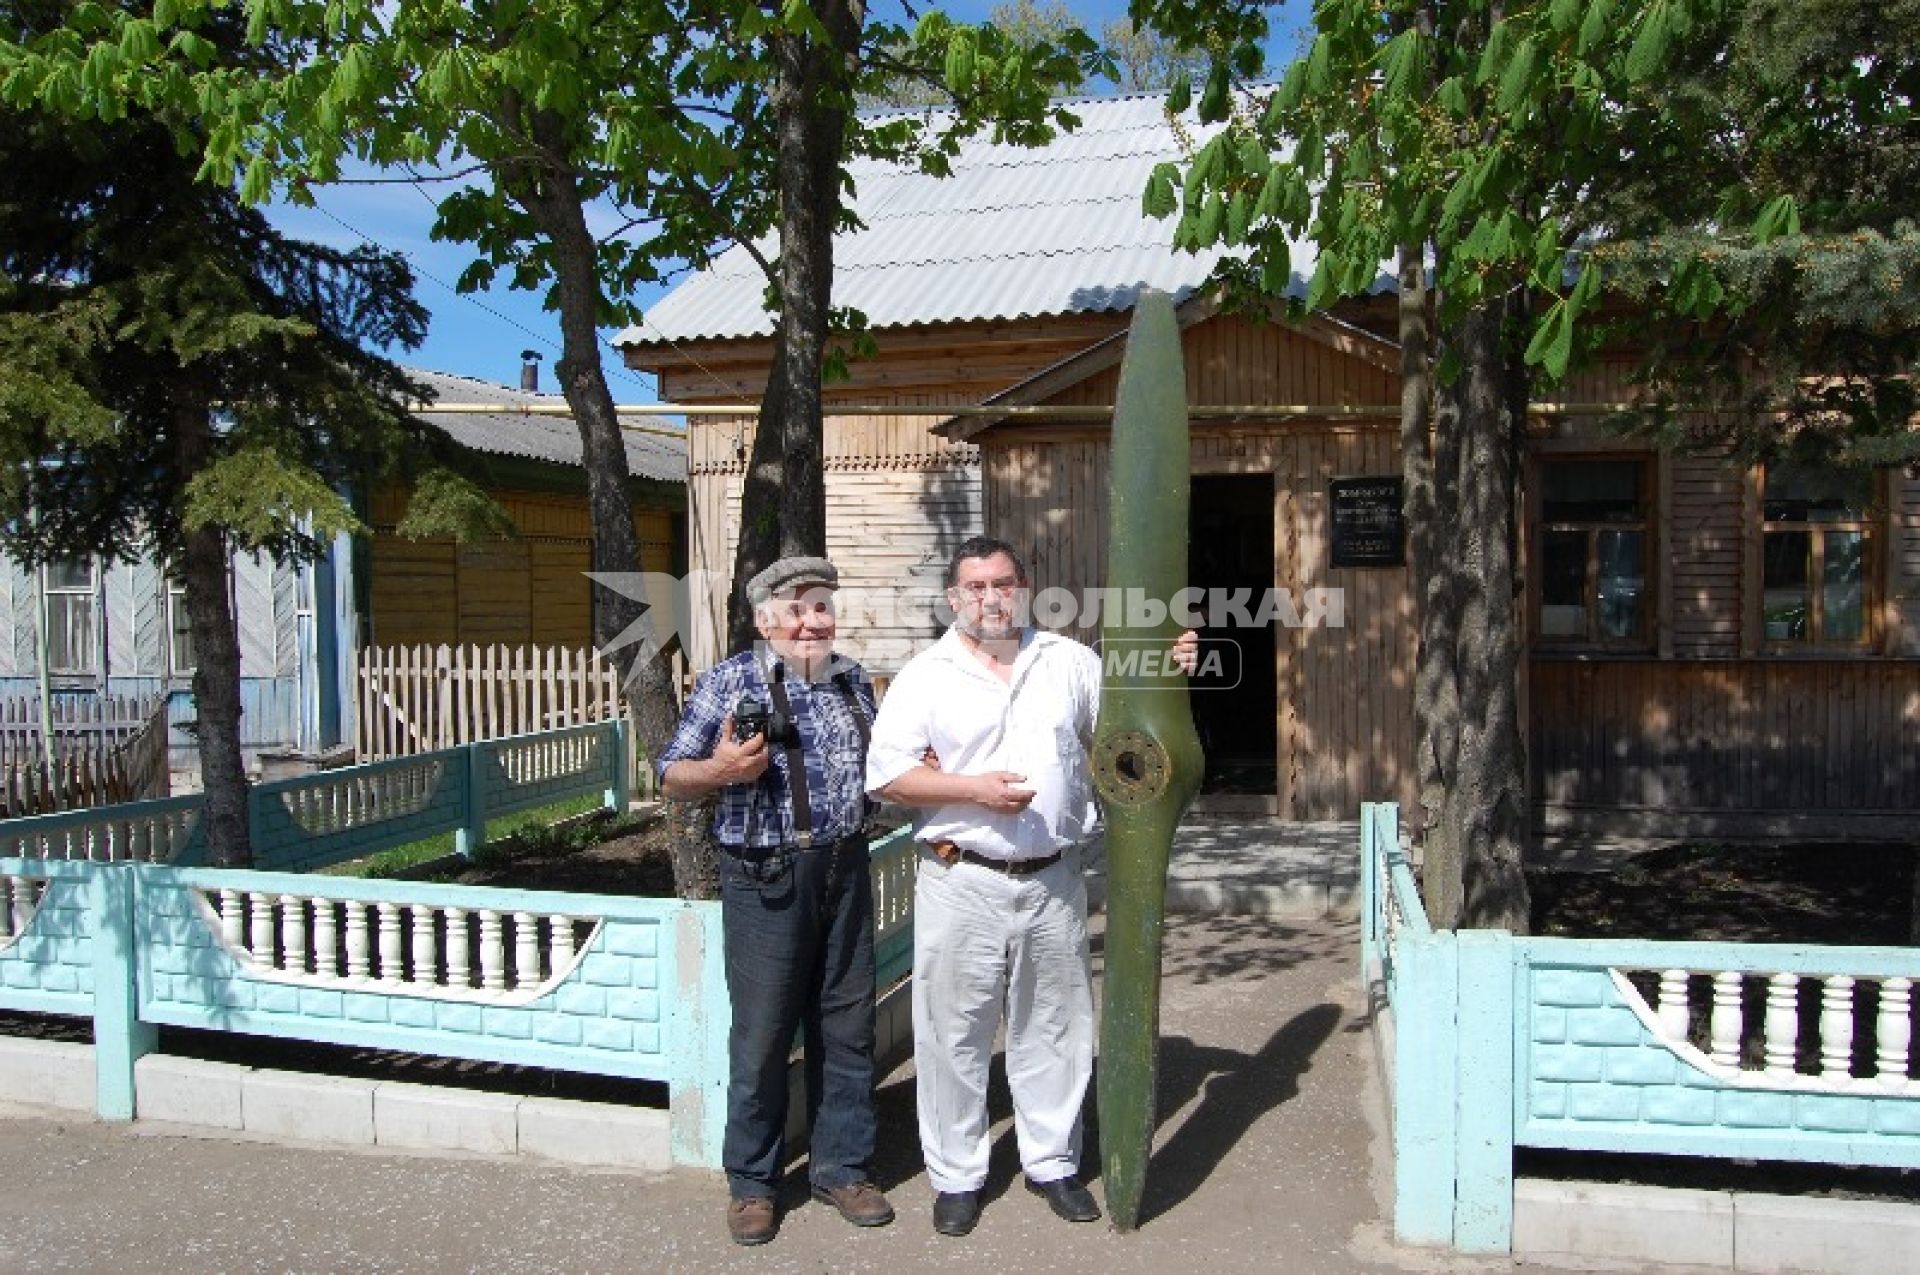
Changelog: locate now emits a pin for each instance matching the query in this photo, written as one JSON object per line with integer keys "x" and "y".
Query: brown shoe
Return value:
{"x": 859, "y": 1202}
{"x": 753, "y": 1220}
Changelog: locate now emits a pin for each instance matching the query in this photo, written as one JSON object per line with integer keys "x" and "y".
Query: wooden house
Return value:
{"x": 119, "y": 628}
{"x": 531, "y": 588}
{"x": 1710, "y": 650}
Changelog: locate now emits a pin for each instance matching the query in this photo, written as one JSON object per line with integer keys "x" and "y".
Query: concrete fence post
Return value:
{"x": 620, "y": 793}
{"x": 700, "y": 1017}
{"x": 1426, "y": 1079}
{"x": 120, "y": 1039}
{"x": 1483, "y": 1200}
{"x": 472, "y": 833}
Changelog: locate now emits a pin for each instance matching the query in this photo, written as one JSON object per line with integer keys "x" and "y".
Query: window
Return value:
{"x": 179, "y": 632}
{"x": 71, "y": 586}
{"x": 1594, "y": 517}
{"x": 1817, "y": 557}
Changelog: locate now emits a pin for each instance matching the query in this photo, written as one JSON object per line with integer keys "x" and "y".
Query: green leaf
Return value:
{"x": 1159, "y": 200}
{"x": 1517, "y": 81}
{"x": 1403, "y": 66}
{"x": 1552, "y": 343}
{"x": 1650, "y": 43}
{"x": 1215, "y": 100}
{"x": 1239, "y": 217}
{"x": 1180, "y": 94}
{"x": 960, "y": 60}
{"x": 1253, "y": 156}
{"x": 1595, "y": 26}
{"x": 1276, "y": 266}
{"x": 1452, "y": 97}
{"x": 1212, "y": 221}
{"x": 257, "y": 187}
{"x": 1779, "y": 216}
{"x": 1564, "y": 15}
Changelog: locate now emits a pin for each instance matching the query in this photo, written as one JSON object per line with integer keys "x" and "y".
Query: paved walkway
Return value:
{"x": 1268, "y": 1159}
{"x": 1253, "y": 866}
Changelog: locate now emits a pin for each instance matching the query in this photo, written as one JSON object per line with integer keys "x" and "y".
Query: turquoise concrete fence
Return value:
{"x": 599, "y": 984}
{"x": 1752, "y": 1051}
{"x": 316, "y": 821}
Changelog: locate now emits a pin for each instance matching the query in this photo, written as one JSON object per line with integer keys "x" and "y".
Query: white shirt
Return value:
{"x": 1037, "y": 723}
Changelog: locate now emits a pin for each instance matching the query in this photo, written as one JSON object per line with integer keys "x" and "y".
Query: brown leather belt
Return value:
{"x": 950, "y": 854}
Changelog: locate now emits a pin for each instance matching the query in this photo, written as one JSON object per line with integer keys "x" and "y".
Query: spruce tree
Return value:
{"x": 178, "y": 379}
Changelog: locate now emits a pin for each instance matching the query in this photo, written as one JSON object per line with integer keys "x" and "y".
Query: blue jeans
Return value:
{"x": 799, "y": 940}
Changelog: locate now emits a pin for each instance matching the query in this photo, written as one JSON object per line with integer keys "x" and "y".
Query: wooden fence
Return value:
{"x": 416, "y": 699}
{"x": 106, "y": 749}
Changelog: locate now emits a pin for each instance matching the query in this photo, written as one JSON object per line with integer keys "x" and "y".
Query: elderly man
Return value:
{"x": 780, "y": 733}
{"x": 1000, "y": 906}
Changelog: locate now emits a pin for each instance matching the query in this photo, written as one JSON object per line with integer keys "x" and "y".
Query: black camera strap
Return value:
{"x": 796, "y": 759}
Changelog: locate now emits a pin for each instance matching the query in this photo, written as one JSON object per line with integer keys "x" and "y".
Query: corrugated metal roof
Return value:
{"x": 550, "y": 438}
{"x": 1015, "y": 232}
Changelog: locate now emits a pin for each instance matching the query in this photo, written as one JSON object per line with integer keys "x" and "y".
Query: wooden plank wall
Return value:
{"x": 1731, "y": 747}
{"x": 1906, "y": 560}
{"x": 889, "y": 531}
{"x": 527, "y": 590}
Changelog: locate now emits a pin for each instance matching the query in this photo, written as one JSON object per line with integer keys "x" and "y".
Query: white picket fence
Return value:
{"x": 416, "y": 699}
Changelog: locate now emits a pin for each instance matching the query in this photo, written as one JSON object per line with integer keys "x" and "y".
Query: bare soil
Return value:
{"x": 1838, "y": 894}
{"x": 637, "y": 861}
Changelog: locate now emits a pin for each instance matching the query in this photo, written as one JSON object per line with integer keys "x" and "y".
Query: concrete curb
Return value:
{"x": 190, "y": 1094}
{"x": 1714, "y": 1230}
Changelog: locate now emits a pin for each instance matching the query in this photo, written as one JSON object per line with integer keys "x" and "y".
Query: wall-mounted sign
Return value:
{"x": 1368, "y": 528}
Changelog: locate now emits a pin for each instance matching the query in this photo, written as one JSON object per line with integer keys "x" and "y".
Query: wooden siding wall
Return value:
{"x": 1728, "y": 748}
{"x": 1906, "y": 551}
{"x": 527, "y": 590}
{"x": 130, "y": 615}
{"x": 888, "y": 531}
{"x": 950, "y": 363}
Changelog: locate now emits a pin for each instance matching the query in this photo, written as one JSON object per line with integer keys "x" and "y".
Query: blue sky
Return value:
{"x": 482, "y": 334}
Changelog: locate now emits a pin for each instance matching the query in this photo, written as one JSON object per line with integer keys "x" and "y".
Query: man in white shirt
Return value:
{"x": 1000, "y": 905}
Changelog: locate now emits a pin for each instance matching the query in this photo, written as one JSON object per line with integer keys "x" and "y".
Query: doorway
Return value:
{"x": 1236, "y": 690}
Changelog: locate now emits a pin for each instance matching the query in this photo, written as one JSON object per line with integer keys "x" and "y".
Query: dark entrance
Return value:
{"x": 1235, "y": 699}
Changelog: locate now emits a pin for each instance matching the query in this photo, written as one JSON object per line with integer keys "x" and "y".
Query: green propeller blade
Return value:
{"x": 1146, "y": 757}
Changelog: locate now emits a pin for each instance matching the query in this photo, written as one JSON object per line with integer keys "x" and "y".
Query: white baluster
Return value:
{"x": 357, "y": 962}
{"x": 1836, "y": 1027}
{"x": 293, "y": 933}
{"x": 526, "y": 949}
{"x": 1728, "y": 1019}
{"x": 1894, "y": 1031}
{"x": 459, "y": 953}
{"x": 260, "y": 937}
{"x": 390, "y": 970}
{"x": 233, "y": 922}
{"x": 1782, "y": 1023}
{"x": 1673, "y": 1004}
{"x": 326, "y": 938}
{"x": 493, "y": 953}
{"x": 560, "y": 946}
{"x": 425, "y": 950}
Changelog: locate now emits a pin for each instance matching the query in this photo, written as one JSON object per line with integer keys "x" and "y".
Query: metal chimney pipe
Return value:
{"x": 530, "y": 371}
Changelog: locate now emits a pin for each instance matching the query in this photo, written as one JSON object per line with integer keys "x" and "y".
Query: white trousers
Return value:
{"x": 983, "y": 940}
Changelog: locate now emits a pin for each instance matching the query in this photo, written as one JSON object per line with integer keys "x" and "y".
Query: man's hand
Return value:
{"x": 1001, "y": 792}
{"x": 738, "y": 761}
{"x": 1186, "y": 652}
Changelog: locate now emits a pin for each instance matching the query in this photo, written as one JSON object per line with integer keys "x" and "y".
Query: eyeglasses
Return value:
{"x": 978, "y": 589}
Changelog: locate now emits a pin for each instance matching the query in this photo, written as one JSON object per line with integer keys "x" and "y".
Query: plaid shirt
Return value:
{"x": 759, "y": 815}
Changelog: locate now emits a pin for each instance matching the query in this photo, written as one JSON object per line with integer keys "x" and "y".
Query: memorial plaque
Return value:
{"x": 1368, "y": 527}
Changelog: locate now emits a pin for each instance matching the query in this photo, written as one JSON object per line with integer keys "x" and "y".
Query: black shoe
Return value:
{"x": 1067, "y": 1198}
{"x": 955, "y": 1212}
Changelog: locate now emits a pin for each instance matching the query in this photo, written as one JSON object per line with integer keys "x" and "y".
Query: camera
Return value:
{"x": 749, "y": 718}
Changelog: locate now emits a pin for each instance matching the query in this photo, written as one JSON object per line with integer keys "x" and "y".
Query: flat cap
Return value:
{"x": 786, "y": 573}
